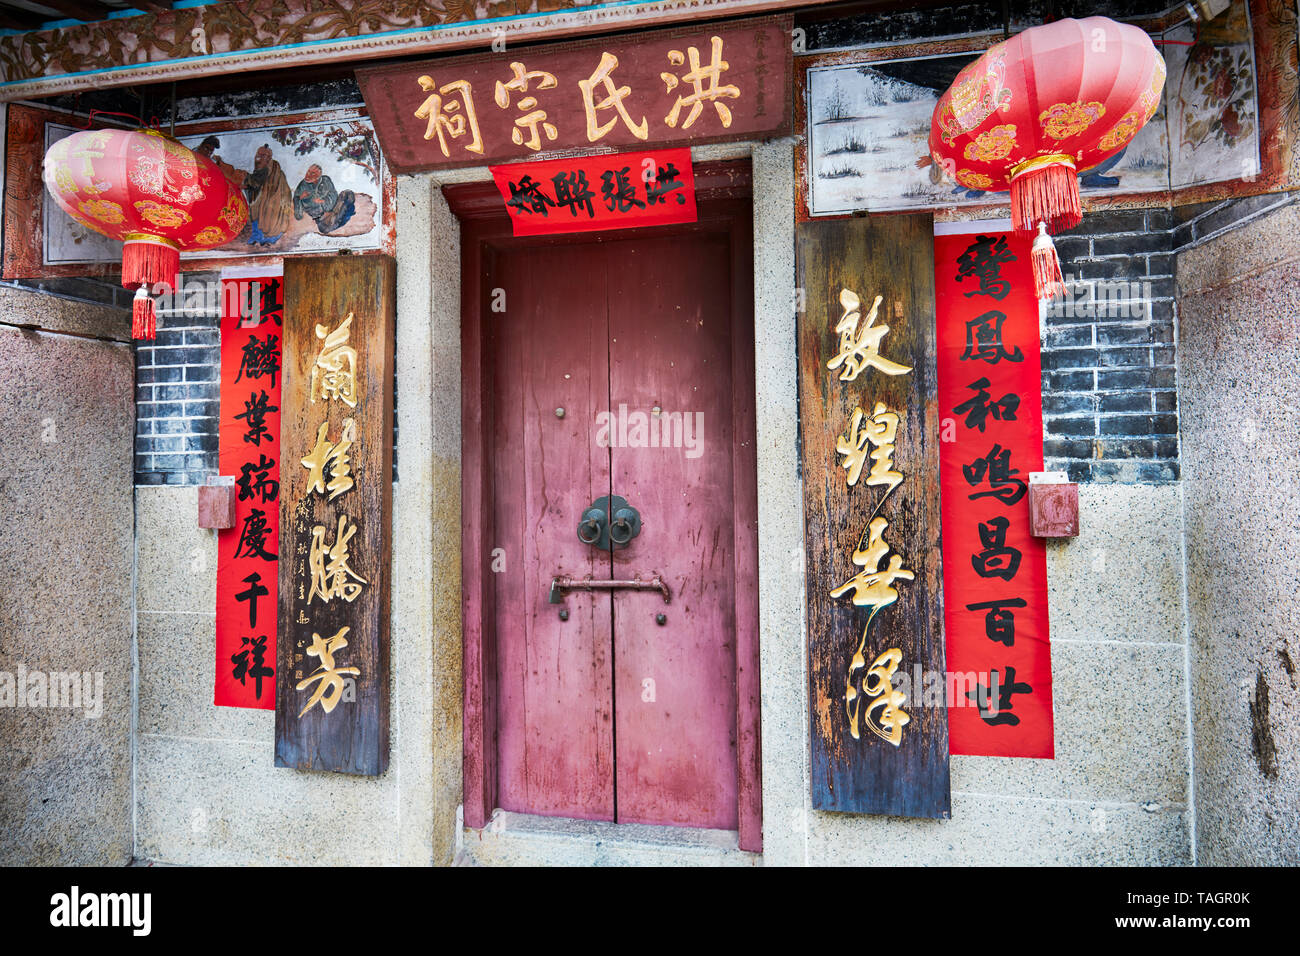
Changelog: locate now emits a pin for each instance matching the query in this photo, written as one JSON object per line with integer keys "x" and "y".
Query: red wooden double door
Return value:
{"x": 622, "y": 366}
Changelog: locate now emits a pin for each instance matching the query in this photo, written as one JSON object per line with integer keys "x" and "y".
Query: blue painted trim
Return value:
{"x": 182, "y": 4}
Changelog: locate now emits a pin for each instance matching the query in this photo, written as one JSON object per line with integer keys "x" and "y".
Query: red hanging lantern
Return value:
{"x": 1036, "y": 109}
{"x": 149, "y": 191}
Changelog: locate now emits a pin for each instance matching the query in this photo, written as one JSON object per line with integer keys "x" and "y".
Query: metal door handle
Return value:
{"x": 596, "y": 529}
{"x": 592, "y": 526}
{"x": 560, "y": 584}
{"x": 625, "y": 526}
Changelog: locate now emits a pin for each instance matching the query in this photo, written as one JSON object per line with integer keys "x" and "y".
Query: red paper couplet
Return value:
{"x": 247, "y": 558}
{"x": 991, "y": 438}
{"x": 587, "y": 193}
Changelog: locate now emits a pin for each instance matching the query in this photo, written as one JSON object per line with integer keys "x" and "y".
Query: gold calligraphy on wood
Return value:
{"x": 332, "y": 458}
{"x": 335, "y": 514}
{"x": 876, "y": 742}
{"x": 860, "y": 349}
{"x": 331, "y": 678}
{"x": 614, "y": 96}
{"x": 335, "y": 373}
{"x": 872, "y": 586}
{"x": 880, "y": 431}
{"x": 450, "y": 114}
{"x": 715, "y": 82}
{"x": 333, "y": 578}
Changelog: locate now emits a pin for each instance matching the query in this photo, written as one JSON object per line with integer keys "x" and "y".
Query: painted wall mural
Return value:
{"x": 1211, "y": 92}
{"x": 312, "y": 187}
{"x": 868, "y": 141}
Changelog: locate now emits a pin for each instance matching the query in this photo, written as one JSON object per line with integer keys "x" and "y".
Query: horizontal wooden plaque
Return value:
{"x": 708, "y": 83}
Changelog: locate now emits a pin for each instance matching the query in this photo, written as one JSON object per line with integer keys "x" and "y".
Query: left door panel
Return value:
{"x": 549, "y": 359}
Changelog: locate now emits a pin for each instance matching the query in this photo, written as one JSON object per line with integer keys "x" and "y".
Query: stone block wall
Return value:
{"x": 67, "y": 548}
{"x": 1240, "y": 352}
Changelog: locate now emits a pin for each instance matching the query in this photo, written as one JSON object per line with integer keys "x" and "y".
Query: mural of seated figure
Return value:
{"x": 317, "y": 198}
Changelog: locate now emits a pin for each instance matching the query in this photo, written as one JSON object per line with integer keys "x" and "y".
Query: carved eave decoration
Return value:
{"x": 264, "y": 34}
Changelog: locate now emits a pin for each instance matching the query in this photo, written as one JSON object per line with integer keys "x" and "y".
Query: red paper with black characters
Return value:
{"x": 994, "y": 571}
{"x": 247, "y": 554}
{"x": 583, "y": 194}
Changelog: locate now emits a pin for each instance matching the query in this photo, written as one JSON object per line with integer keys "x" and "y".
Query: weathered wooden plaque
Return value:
{"x": 709, "y": 82}
{"x": 331, "y": 708}
{"x": 870, "y": 452}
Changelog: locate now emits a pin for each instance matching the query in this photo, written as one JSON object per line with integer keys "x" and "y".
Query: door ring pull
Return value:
{"x": 592, "y": 526}
{"x": 609, "y": 522}
{"x": 625, "y": 526}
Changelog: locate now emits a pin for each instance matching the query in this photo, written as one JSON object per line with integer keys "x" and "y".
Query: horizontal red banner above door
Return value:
{"x": 588, "y": 193}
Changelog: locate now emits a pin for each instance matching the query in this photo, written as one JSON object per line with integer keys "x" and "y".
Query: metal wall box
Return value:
{"x": 1054, "y": 510}
{"x": 217, "y": 506}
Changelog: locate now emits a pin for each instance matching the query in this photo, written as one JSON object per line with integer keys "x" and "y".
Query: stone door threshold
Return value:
{"x": 521, "y": 839}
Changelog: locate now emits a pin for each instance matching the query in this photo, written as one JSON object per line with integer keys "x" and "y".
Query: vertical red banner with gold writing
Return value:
{"x": 252, "y": 303}
{"x": 991, "y": 438}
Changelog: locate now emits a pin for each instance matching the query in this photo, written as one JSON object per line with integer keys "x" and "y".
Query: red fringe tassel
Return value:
{"x": 144, "y": 318}
{"x": 1049, "y": 195}
{"x": 146, "y": 264}
{"x": 149, "y": 263}
{"x": 1048, "y": 280}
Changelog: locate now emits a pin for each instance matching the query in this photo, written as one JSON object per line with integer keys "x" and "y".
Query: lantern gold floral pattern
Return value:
{"x": 1037, "y": 108}
{"x": 149, "y": 191}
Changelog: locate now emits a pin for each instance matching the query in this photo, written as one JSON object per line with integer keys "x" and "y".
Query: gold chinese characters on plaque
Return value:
{"x": 335, "y": 520}
{"x": 872, "y": 587}
{"x": 718, "y": 81}
{"x": 869, "y": 453}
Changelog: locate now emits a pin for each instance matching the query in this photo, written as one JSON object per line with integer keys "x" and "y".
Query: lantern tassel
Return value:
{"x": 1048, "y": 280}
{"x": 144, "y": 318}
{"x": 149, "y": 261}
{"x": 1045, "y": 193}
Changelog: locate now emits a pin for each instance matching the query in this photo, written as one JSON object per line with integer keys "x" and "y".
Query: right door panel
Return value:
{"x": 671, "y": 398}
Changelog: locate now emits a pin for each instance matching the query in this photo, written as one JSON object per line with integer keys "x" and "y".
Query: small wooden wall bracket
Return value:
{"x": 217, "y": 503}
{"x": 1053, "y": 505}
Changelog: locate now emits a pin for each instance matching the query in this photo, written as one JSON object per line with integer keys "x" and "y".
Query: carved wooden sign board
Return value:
{"x": 870, "y": 455}
{"x": 712, "y": 82}
{"x": 336, "y": 433}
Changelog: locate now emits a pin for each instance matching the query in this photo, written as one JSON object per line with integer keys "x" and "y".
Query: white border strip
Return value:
{"x": 971, "y": 225}
{"x": 252, "y": 272}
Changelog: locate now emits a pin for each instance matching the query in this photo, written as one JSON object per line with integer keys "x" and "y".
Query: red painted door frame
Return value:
{"x": 723, "y": 194}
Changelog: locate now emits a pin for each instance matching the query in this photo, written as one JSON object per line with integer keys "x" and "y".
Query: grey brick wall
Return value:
{"x": 178, "y": 401}
{"x": 1110, "y": 405}
{"x": 178, "y": 398}
{"x": 1110, "y": 400}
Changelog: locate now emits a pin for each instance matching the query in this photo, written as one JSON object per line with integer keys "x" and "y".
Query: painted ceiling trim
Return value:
{"x": 196, "y": 41}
